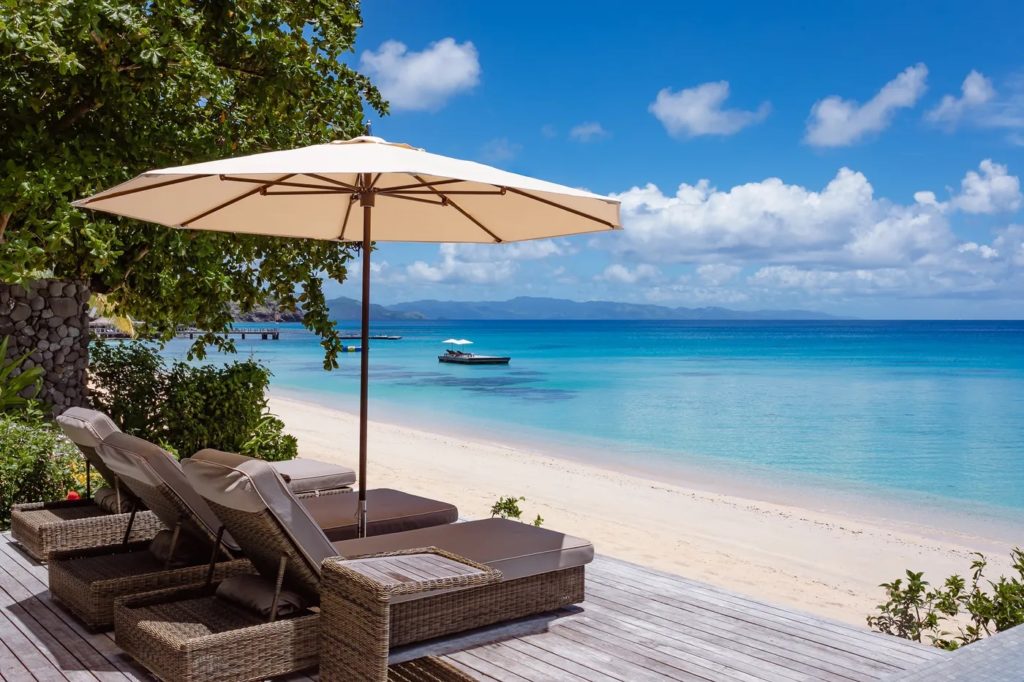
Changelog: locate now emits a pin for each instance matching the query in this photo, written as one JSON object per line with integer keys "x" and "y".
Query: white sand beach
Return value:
{"x": 826, "y": 563}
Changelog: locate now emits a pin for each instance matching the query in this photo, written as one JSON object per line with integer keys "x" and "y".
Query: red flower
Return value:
{"x": 72, "y": 495}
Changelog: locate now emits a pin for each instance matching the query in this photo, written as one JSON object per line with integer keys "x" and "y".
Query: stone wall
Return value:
{"x": 50, "y": 318}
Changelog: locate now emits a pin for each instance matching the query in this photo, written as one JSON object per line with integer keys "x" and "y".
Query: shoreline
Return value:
{"x": 790, "y": 552}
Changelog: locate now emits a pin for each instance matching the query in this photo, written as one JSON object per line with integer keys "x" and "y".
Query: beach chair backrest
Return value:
{"x": 155, "y": 476}
{"x": 263, "y": 515}
{"x": 87, "y": 428}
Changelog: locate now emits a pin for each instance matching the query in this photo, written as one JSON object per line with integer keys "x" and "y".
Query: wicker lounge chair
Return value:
{"x": 235, "y": 630}
{"x": 43, "y": 528}
{"x": 88, "y": 581}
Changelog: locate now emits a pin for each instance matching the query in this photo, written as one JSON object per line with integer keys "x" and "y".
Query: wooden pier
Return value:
{"x": 265, "y": 333}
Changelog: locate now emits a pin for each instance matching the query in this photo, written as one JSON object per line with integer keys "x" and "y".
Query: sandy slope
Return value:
{"x": 826, "y": 563}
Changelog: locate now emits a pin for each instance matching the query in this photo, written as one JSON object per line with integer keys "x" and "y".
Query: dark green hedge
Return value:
{"x": 188, "y": 407}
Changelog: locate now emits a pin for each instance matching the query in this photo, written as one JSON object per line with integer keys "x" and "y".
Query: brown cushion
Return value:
{"x": 390, "y": 511}
{"x": 87, "y": 428}
{"x": 106, "y": 499}
{"x": 256, "y": 594}
{"x": 310, "y": 475}
{"x": 253, "y": 486}
{"x": 144, "y": 467}
{"x": 518, "y": 550}
{"x": 186, "y": 553}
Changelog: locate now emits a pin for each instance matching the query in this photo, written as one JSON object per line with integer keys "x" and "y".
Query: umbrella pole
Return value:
{"x": 364, "y": 375}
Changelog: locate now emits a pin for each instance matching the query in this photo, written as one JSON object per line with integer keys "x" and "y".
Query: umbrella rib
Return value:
{"x": 281, "y": 183}
{"x": 134, "y": 190}
{"x": 348, "y": 212}
{"x": 564, "y": 208}
{"x": 408, "y": 198}
{"x": 418, "y": 185}
{"x": 254, "y": 190}
{"x": 288, "y": 192}
{"x": 465, "y": 214}
{"x": 339, "y": 183}
{"x": 454, "y": 192}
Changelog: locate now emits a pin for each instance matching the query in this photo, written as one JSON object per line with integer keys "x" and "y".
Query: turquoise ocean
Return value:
{"x": 929, "y": 412}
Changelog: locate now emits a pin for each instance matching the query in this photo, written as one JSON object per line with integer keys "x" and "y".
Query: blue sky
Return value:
{"x": 856, "y": 158}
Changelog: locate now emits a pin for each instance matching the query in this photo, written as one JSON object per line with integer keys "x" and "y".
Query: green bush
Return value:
{"x": 128, "y": 383}
{"x": 508, "y": 508}
{"x": 188, "y": 407}
{"x": 19, "y": 385}
{"x": 37, "y": 463}
{"x": 270, "y": 442}
{"x": 955, "y": 614}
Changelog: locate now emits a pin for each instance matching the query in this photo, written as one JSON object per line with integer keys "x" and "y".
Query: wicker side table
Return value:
{"x": 355, "y": 600}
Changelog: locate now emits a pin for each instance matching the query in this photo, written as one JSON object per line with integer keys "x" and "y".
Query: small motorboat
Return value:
{"x": 351, "y": 349}
{"x": 460, "y": 358}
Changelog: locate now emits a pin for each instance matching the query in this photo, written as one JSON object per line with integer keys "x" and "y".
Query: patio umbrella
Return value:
{"x": 313, "y": 192}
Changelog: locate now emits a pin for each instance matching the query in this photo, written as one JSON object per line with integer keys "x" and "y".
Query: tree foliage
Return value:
{"x": 187, "y": 407}
{"x": 93, "y": 92}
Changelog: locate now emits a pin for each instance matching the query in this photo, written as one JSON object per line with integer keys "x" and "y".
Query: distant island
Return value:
{"x": 529, "y": 308}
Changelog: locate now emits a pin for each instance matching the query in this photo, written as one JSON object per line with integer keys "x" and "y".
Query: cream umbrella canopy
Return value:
{"x": 316, "y": 192}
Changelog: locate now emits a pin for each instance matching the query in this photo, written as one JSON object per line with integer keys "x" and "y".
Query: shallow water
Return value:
{"x": 934, "y": 409}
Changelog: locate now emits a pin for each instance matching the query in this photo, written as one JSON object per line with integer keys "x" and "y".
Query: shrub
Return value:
{"x": 128, "y": 384}
{"x": 188, "y": 407}
{"x": 508, "y": 508}
{"x": 210, "y": 406}
{"x": 19, "y": 385}
{"x": 37, "y": 463}
{"x": 270, "y": 442}
{"x": 955, "y": 614}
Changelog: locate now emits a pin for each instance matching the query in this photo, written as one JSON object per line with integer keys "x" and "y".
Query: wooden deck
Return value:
{"x": 637, "y": 624}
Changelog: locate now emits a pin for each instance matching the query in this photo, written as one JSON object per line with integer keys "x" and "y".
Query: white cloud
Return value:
{"x": 717, "y": 274}
{"x": 983, "y": 250}
{"x": 833, "y": 282}
{"x": 980, "y": 105}
{"x": 698, "y": 111}
{"x": 839, "y": 238}
{"x": 588, "y": 132}
{"x": 549, "y": 131}
{"x": 422, "y": 80}
{"x": 620, "y": 274}
{"x": 991, "y": 191}
{"x": 1010, "y": 244}
{"x": 837, "y": 122}
{"x": 483, "y": 263}
{"x": 500, "y": 149}
{"x": 976, "y": 92}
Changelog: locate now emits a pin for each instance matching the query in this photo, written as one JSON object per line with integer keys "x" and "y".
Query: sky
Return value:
{"x": 860, "y": 159}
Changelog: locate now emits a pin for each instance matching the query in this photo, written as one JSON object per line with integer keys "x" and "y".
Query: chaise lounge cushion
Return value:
{"x": 518, "y": 550}
{"x": 106, "y": 498}
{"x": 255, "y": 593}
{"x": 389, "y": 511}
{"x": 87, "y": 429}
{"x": 155, "y": 476}
{"x": 310, "y": 476}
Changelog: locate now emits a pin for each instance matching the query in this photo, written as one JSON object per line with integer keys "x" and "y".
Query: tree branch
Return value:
{"x": 88, "y": 106}
{"x": 236, "y": 69}
{"x": 4, "y": 219}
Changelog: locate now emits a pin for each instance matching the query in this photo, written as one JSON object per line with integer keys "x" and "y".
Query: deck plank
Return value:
{"x": 770, "y": 612}
{"x": 11, "y": 667}
{"x": 731, "y": 630}
{"x": 98, "y": 652}
{"x": 637, "y": 624}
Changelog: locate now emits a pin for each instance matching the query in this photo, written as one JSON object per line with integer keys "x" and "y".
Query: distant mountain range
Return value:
{"x": 533, "y": 308}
